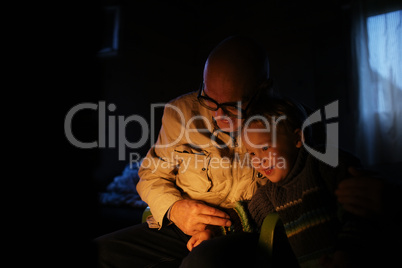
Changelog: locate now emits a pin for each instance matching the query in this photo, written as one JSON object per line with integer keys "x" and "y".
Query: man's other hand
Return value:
{"x": 361, "y": 194}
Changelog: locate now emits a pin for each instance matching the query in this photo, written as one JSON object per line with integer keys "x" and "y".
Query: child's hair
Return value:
{"x": 271, "y": 107}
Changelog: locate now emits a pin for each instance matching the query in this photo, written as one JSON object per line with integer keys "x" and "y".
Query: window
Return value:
{"x": 377, "y": 41}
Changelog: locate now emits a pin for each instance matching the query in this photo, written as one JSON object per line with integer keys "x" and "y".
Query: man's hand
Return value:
{"x": 361, "y": 194}
{"x": 193, "y": 216}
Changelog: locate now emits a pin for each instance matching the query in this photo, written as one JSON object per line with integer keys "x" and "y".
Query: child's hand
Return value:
{"x": 196, "y": 239}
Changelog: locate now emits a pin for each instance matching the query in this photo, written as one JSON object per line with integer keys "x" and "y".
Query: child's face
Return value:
{"x": 274, "y": 152}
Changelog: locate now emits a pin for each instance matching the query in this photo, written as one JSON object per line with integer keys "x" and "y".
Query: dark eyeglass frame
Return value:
{"x": 242, "y": 112}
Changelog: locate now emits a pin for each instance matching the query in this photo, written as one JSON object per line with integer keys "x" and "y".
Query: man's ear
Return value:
{"x": 299, "y": 138}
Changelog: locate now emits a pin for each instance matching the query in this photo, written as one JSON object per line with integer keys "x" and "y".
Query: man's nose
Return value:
{"x": 220, "y": 112}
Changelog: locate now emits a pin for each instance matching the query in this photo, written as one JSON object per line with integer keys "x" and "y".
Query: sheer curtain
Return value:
{"x": 377, "y": 54}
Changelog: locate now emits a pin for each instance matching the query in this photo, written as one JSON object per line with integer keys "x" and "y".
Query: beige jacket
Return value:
{"x": 192, "y": 159}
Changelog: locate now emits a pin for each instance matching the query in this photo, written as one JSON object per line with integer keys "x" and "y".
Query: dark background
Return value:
{"x": 162, "y": 49}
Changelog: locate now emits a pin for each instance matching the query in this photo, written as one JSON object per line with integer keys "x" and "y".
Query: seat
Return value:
{"x": 145, "y": 214}
{"x": 266, "y": 239}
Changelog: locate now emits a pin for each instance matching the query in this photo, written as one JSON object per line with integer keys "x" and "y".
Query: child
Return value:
{"x": 300, "y": 188}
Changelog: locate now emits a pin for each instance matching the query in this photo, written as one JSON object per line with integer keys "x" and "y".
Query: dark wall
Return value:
{"x": 163, "y": 47}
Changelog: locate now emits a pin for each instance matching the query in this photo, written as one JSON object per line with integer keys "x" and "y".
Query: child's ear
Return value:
{"x": 299, "y": 138}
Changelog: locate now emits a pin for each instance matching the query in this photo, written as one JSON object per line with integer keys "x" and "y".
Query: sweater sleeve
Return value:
{"x": 260, "y": 205}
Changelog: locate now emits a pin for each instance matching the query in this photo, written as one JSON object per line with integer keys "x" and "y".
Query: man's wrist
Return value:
{"x": 166, "y": 218}
{"x": 169, "y": 213}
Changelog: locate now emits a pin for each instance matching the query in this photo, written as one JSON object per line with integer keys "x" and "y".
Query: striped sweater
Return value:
{"x": 305, "y": 201}
{"x": 314, "y": 222}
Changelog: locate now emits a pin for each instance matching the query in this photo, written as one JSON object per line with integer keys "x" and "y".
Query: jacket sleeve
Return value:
{"x": 158, "y": 169}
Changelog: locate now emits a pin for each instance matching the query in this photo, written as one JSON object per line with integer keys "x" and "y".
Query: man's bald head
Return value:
{"x": 236, "y": 67}
{"x": 233, "y": 72}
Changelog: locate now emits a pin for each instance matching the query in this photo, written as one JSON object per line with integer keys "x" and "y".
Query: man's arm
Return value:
{"x": 367, "y": 196}
{"x": 156, "y": 186}
{"x": 361, "y": 194}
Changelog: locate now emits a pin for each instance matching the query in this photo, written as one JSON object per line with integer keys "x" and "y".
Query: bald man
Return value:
{"x": 233, "y": 73}
{"x": 197, "y": 165}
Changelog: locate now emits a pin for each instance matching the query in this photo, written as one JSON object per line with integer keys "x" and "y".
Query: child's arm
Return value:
{"x": 196, "y": 239}
{"x": 210, "y": 232}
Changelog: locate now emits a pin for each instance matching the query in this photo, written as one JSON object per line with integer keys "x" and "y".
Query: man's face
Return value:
{"x": 228, "y": 81}
{"x": 228, "y": 118}
{"x": 273, "y": 152}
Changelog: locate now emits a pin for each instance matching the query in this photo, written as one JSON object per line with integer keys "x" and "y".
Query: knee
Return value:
{"x": 100, "y": 245}
{"x": 106, "y": 250}
{"x": 202, "y": 256}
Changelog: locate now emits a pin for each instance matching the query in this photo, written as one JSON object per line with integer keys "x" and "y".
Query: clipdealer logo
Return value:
{"x": 330, "y": 112}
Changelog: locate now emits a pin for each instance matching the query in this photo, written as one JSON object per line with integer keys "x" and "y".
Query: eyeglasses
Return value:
{"x": 232, "y": 109}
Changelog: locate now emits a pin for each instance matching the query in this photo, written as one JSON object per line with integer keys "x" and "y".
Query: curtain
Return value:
{"x": 377, "y": 54}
